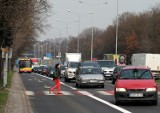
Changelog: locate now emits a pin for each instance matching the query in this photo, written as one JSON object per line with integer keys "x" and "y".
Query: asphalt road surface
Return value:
{"x": 77, "y": 100}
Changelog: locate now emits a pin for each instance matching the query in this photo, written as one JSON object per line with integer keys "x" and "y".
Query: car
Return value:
{"x": 107, "y": 67}
{"x": 89, "y": 76}
{"x": 135, "y": 83}
{"x": 51, "y": 71}
{"x": 63, "y": 71}
{"x": 39, "y": 70}
{"x": 45, "y": 70}
{"x": 70, "y": 71}
{"x": 35, "y": 69}
{"x": 116, "y": 71}
{"x": 88, "y": 64}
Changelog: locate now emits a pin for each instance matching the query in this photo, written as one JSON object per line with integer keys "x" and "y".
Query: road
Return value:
{"x": 77, "y": 100}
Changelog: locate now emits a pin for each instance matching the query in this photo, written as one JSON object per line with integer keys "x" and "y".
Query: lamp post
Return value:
{"x": 36, "y": 53}
{"x": 79, "y": 18}
{"x": 92, "y": 35}
{"x": 116, "y": 30}
{"x": 67, "y": 27}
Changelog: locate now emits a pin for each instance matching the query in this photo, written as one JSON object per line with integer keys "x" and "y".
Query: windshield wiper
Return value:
{"x": 143, "y": 73}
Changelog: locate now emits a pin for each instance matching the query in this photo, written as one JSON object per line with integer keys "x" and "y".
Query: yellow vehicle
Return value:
{"x": 25, "y": 65}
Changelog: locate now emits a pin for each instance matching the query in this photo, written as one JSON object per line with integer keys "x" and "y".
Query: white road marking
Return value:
{"x": 69, "y": 86}
{"x": 67, "y": 93}
{"x": 85, "y": 93}
{"x": 104, "y": 93}
{"x": 29, "y": 93}
{"x": 48, "y": 93}
{"x": 109, "y": 104}
{"x": 94, "y": 97}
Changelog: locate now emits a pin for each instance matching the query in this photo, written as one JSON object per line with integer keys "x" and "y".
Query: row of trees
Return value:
{"x": 25, "y": 18}
{"x": 137, "y": 33}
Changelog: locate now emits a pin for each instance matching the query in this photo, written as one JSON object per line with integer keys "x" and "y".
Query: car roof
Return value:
{"x": 135, "y": 67}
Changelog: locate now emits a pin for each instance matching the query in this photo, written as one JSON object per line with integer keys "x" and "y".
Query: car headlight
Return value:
{"x": 150, "y": 89}
{"x": 120, "y": 90}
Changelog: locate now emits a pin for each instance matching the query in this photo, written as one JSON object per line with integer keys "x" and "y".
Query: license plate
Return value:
{"x": 136, "y": 95}
{"x": 93, "y": 80}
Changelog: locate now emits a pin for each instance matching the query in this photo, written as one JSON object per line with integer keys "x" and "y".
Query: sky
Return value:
{"x": 78, "y": 15}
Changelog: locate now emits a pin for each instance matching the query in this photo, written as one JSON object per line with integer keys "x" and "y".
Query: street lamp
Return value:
{"x": 116, "y": 29}
{"x": 36, "y": 53}
{"x": 92, "y": 25}
{"x": 79, "y": 17}
{"x": 67, "y": 27}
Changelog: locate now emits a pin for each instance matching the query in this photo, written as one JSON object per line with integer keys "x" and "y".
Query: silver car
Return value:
{"x": 89, "y": 76}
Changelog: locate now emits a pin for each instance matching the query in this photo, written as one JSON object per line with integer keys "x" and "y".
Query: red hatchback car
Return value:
{"x": 136, "y": 83}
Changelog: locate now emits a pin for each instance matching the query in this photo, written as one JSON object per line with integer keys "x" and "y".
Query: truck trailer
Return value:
{"x": 152, "y": 61}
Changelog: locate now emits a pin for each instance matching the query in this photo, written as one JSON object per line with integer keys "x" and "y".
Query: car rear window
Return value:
{"x": 135, "y": 74}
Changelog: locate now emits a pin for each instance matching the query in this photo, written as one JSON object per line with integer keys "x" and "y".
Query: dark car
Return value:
{"x": 45, "y": 70}
{"x": 51, "y": 71}
{"x": 116, "y": 71}
{"x": 35, "y": 69}
{"x": 135, "y": 83}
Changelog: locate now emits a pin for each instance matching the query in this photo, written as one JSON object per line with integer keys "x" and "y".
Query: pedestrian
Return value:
{"x": 57, "y": 79}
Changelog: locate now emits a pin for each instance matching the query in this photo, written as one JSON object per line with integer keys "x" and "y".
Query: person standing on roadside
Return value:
{"x": 57, "y": 79}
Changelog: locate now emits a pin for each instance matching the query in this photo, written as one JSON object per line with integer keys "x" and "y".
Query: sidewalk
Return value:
{"x": 17, "y": 101}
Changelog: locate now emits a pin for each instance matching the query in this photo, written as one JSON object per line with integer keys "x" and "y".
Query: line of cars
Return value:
{"x": 132, "y": 83}
{"x": 89, "y": 73}
{"x": 47, "y": 70}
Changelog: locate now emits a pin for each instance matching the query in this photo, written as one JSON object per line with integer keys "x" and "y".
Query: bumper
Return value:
{"x": 141, "y": 96}
{"x": 109, "y": 76}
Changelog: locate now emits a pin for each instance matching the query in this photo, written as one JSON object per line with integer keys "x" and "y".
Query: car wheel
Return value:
{"x": 113, "y": 81}
{"x": 79, "y": 85}
{"x": 65, "y": 79}
{"x": 102, "y": 86}
{"x": 155, "y": 102}
{"x": 76, "y": 84}
{"x": 117, "y": 102}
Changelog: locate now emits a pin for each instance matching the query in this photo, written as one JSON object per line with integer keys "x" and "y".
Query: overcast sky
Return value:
{"x": 103, "y": 14}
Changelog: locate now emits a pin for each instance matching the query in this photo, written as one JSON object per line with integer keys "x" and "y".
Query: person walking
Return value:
{"x": 57, "y": 79}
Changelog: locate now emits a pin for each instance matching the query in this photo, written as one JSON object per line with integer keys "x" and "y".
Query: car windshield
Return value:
{"x": 90, "y": 64}
{"x": 90, "y": 71}
{"x": 135, "y": 74}
{"x": 109, "y": 64}
{"x": 62, "y": 67}
{"x": 73, "y": 64}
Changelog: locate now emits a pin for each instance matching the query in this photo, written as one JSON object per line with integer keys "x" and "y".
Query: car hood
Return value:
{"x": 107, "y": 68}
{"x": 92, "y": 76}
{"x": 134, "y": 84}
{"x": 72, "y": 69}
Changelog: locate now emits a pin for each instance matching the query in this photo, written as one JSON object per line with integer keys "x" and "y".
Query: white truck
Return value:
{"x": 71, "y": 61}
{"x": 151, "y": 61}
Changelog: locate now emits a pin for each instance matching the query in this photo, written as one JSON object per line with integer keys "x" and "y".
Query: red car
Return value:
{"x": 136, "y": 83}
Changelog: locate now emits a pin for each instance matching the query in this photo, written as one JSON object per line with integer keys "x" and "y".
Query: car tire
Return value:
{"x": 102, "y": 86}
{"x": 76, "y": 84}
{"x": 65, "y": 79}
{"x": 113, "y": 81}
{"x": 155, "y": 102}
{"x": 117, "y": 102}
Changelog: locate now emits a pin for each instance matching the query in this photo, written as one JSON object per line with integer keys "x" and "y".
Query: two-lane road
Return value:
{"x": 76, "y": 100}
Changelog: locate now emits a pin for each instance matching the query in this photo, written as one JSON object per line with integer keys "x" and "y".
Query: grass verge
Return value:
{"x": 4, "y": 92}
{"x": 158, "y": 81}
